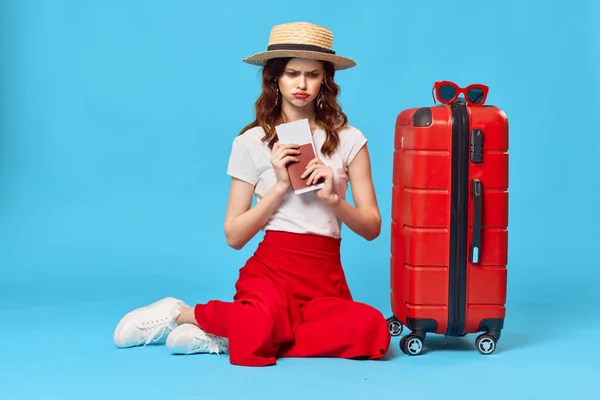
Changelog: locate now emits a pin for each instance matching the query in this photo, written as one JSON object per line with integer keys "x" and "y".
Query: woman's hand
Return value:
{"x": 316, "y": 170}
{"x": 281, "y": 155}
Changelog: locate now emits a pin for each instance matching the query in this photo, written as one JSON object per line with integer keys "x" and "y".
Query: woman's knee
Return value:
{"x": 372, "y": 327}
{"x": 257, "y": 334}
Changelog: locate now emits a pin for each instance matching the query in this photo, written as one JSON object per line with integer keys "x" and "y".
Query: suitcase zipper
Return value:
{"x": 458, "y": 220}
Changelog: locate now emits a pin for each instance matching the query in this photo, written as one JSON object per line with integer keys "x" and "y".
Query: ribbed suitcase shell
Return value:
{"x": 440, "y": 153}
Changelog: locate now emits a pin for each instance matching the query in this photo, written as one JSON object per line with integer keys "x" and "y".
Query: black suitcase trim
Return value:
{"x": 457, "y": 290}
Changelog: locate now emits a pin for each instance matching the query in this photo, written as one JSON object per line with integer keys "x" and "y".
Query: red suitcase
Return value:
{"x": 449, "y": 236}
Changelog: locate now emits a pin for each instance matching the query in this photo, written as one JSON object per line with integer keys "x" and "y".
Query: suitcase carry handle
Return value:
{"x": 477, "y": 193}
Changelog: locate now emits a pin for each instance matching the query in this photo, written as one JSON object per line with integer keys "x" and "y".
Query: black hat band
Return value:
{"x": 294, "y": 46}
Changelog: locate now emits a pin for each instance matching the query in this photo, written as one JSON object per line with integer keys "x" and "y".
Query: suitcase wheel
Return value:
{"x": 485, "y": 343}
{"x": 411, "y": 345}
{"x": 394, "y": 326}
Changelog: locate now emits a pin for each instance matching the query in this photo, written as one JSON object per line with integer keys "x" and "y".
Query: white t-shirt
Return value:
{"x": 300, "y": 213}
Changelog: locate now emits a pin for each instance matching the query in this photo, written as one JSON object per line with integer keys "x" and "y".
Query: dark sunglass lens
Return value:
{"x": 447, "y": 92}
{"x": 475, "y": 95}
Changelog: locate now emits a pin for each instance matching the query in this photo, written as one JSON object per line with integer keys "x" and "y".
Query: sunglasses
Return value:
{"x": 447, "y": 92}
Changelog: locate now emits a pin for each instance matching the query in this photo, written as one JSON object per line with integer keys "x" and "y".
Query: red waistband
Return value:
{"x": 303, "y": 241}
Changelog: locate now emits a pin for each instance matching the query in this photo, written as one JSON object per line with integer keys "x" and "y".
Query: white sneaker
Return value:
{"x": 149, "y": 324}
{"x": 191, "y": 339}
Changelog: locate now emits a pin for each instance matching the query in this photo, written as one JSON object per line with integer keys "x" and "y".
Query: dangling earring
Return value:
{"x": 321, "y": 100}
{"x": 276, "y": 91}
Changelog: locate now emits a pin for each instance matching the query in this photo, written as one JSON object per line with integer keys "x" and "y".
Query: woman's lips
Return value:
{"x": 301, "y": 95}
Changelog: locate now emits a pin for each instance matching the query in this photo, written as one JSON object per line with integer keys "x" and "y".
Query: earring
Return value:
{"x": 274, "y": 80}
{"x": 320, "y": 100}
{"x": 321, "y": 97}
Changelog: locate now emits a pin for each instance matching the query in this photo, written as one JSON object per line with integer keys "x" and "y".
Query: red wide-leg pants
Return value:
{"x": 292, "y": 300}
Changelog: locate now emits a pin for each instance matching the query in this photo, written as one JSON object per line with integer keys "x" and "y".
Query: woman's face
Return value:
{"x": 300, "y": 82}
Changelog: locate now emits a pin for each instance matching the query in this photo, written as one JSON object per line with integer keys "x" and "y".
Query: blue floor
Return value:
{"x": 58, "y": 345}
{"x": 116, "y": 124}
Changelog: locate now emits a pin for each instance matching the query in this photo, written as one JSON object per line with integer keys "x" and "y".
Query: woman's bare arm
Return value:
{"x": 242, "y": 221}
{"x": 363, "y": 219}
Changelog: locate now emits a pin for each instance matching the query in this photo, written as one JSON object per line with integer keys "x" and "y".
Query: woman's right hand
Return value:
{"x": 281, "y": 155}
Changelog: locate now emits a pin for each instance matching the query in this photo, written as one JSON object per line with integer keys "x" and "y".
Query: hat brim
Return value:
{"x": 339, "y": 62}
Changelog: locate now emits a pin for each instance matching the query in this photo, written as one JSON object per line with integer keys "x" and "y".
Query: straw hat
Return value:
{"x": 302, "y": 40}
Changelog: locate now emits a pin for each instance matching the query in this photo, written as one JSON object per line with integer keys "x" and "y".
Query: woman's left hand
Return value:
{"x": 316, "y": 170}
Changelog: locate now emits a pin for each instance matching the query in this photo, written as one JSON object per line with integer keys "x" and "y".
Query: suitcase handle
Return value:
{"x": 477, "y": 193}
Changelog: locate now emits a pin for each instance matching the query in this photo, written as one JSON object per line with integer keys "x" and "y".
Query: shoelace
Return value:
{"x": 152, "y": 333}
{"x": 209, "y": 343}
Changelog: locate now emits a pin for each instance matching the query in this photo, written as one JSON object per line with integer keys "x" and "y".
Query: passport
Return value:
{"x": 298, "y": 132}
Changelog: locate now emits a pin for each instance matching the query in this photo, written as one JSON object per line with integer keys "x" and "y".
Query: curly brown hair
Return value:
{"x": 268, "y": 106}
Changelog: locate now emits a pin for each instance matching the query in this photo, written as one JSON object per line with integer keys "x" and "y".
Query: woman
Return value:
{"x": 292, "y": 299}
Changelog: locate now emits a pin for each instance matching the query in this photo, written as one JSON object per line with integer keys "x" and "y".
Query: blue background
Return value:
{"x": 116, "y": 121}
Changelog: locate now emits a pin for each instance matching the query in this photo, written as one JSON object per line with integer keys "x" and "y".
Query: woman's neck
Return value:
{"x": 291, "y": 113}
